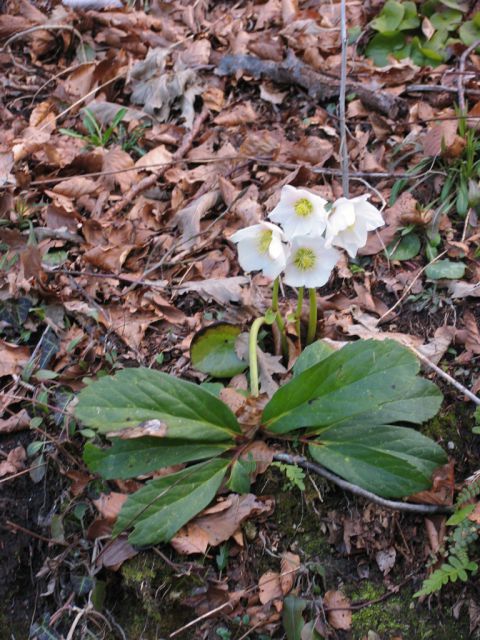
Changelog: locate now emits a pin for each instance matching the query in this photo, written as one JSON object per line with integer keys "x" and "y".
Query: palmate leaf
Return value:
{"x": 164, "y": 505}
{"x": 351, "y": 401}
{"x": 134, "y": 396}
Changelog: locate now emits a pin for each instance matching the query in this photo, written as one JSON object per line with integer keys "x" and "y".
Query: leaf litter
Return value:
{"x": 136, "y": 277}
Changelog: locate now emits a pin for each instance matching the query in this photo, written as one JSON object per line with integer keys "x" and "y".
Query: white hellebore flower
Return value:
{"x": 260, "y": 248}
{"x": 310, "y": 262}
{"x": 349, "y": 222}
{"x": 300, "y": 212}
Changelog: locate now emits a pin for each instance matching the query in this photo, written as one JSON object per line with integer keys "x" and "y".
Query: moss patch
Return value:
{"x": 402, "y": 615}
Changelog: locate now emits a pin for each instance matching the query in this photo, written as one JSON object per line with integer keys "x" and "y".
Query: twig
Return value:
{"x": 342, "y": 98}
{"x": 43, "y": 27}
{"x": 447, "y": 377}
{"x": 22, "y": 473}
{"x": 17, "y": 527}
{"x": 409, "y": 287}
{"x": 461, "y": 69}
{"x": 358, "y": 491}
{"x": 149, "y": 181}
{"x": 437, "y": 88}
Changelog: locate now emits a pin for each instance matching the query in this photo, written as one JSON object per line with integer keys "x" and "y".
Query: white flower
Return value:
{"x": 349, "y": 221}
{"x": 300, "y": 212}
{"x": 260, "y": 248}
{"x": 310, "y": 262}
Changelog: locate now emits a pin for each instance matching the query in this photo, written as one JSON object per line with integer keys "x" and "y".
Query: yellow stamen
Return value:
{"x": 304, "y": 259}
{"x": 303, "y": 207}
{"x": 264, "y": 240}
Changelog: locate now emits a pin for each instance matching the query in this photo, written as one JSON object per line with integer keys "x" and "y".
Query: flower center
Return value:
{"x": 264, "y": 240}
{"x": 305, "y": 259}
{"x": 303, "y": 207}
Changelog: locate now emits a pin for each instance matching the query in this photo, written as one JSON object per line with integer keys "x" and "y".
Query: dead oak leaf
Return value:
{"x": 289, "y": 566}
{"x": 115, "y": 161}
{"x": 76, "y": 187}
{"x": 15, "y": 461}
{"x": 338, "y": 610}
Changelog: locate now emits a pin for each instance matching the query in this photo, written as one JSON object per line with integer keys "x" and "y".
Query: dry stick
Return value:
{"x": 43, "y": 27}
{"x": 446, "y": 376}
{"x": 358, "y": 491}
{"x": 226, "y": 604}
{"x": 342, "y": 98}
{"x": 38, "y": 536}
{"x": 22, "y": 473}
{"x": 461, "y": 69}
{"x": 149, "y": 181}
{"x": 408, "y": 289}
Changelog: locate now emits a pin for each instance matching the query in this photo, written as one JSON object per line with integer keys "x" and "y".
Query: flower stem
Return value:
{"x": 278, "y": 318}
{"x": 298, "y": 313}
{"x": 252, "y": 355}
{"x": 312, "y": 319}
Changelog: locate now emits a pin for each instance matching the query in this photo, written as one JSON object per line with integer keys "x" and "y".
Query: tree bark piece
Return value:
{"x": 318, "y": 85}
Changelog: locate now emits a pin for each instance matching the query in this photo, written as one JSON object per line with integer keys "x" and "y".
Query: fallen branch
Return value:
{"x": 320, "y": 86}
{"x": 426, "y": 509}
{"x": 461, "y": 70}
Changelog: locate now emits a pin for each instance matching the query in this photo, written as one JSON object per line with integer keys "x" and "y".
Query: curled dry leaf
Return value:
{"x": 17, "y": 422}
{"x": 221, "y": 290}
{"x": 219, "y": 522}
{"x": 339, "y": 614}
{"x": 385, "y": 559}
{"x": 289, "y": 566}
{"x": 15, "y": 461}
{"x": 116, "y": 552}
{"x": 76, "y": 187}
{"x": 115, "y": 161}
{"x": 188, "y": 218}
{"x": 158, "y": 156}
{"x": 241, "y": 114}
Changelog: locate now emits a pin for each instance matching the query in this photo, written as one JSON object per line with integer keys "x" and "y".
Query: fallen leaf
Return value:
{"x": 241, "y": 114}
{"x": 289, "y": 565}
{"x": 12, "y": 358}
{"x": 188, "y": 218}
{"x": 221, "y": 290}
{"x": 115, "y": 161}
{"x": 109, "y": 505}
{"x": 76, "y": 187}
{"x": 158, "y": 156}
{"x": 268, "y": 364}
{"x": 338, "y": 610}
{"x": 14, "y": 462}
{"x": 17, "y": 422}
{"x": 461, "y": 289}
{"x": 116, "y": 552}
{"x": 269, "y": 587}
{"x": 219, "y": 522}
{"x": 385, "y": 559}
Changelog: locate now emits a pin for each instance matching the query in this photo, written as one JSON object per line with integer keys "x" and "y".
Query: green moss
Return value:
{"x": 151, "y": 597}
{"x": 401, "y": 615}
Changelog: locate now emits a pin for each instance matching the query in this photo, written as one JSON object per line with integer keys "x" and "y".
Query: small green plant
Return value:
{"x": 96, "y": 137}
{"x": 457, "y": 564}
{"x": 424, "y": 32}
{"x": 294, "y": 474}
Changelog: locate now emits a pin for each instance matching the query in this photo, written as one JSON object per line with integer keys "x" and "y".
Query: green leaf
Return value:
{"x": 213, "y": 351}
{"x": 469, "y": 32}
{"x": 134, "y": 396}
{"x": 454, "y": 4}
{"x": 423, "y": 55}
{"x": 389, "y": 18}
{"x": 445, "y": 269}
{"x": 383, "y": 45}
{"x": 390, "y": 461}
{"x": 164, "y": 505}
{"x": 137, "y": 456}
{"x": 406, "y": 249}
{"x": 460, "y": 515}
{"x": 448, "y": 19}
{"x": 240, "y": 475}
{"x": 292, "y": 617}
{"x": 368, "y": 381}
{"x": 311, "y": 355}
{"x": 410, "y": 18}
{"x": 43, "y": 375}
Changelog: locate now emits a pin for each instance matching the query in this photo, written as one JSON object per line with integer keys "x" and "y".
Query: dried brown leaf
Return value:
{"x": 338, "y": 609}
{"x": 109, "y": 505}
{"x": 269, "y": 587}
{"x": 12, "y": 358}
{"x": 289, "y": 565}
{"x": 15, "y": 461}
{"x": 221, "y": 290}
{"x": 76, "y": 187}
{"x": 241, "y": 114}
{"x": 116, "y": 159}
{"x": 17, "y": 422}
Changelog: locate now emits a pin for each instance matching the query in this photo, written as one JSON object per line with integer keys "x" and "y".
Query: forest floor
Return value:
{"x": 114, "y": 252}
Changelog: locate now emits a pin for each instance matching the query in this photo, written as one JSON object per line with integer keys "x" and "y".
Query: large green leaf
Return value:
{"x": 367, "y": 382}
{"x": 134, "y": 396}
{"x": 312, "y": 355}
{"x": 390, "y": 461}
{"x": 389, "y": 18}
{"x": 158, "y": 510}
{"x": 131, "y": 458}
{"x": 213, "y": 351}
